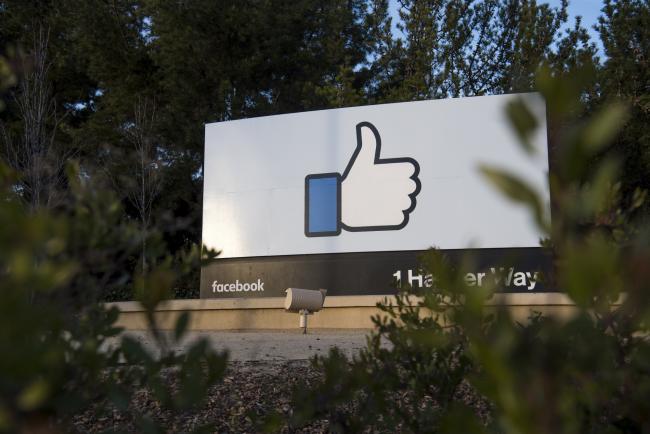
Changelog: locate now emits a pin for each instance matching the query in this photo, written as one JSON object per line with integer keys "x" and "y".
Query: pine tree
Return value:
{"x": 624, "y": 28}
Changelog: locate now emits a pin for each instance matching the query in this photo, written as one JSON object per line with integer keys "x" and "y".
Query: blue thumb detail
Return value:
{"x": 323, "y": 205}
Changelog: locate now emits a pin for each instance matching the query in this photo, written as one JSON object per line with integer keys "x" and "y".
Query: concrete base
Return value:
{"x": 265, "y": 345}
{"x": 352, "y": 312}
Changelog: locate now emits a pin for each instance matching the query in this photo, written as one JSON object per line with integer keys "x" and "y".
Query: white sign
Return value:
{"x": 389, "y": 177}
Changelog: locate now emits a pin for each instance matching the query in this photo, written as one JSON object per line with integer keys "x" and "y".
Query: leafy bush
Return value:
{"x": 57, "y": 357}
{"x": 442, "y": 360}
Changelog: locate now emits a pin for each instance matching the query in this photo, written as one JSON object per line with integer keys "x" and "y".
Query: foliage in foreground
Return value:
{"x": 60, "y": 354}
{"x": 61, "y": 358}
{"x": 60, "y": 350}
{"x": 456, "y": 361}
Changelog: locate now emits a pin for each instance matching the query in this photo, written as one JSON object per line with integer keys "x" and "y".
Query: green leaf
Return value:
{"x": 639, "y": 198}
{"x": 181, "y": 325}
{"x": 133, "y": 350}
{"x": 590, "y": 272}
{"x": 5, "y": 419}
{"x": 112, "y": 314}
{"x": 603, "y": 127}
{"x": 34, "y": 395}
{"x": 562, "y": 91}
{"x": 154, "y": 288}
{"x": 523, "y": 121}
{"x": 460, "y": 419}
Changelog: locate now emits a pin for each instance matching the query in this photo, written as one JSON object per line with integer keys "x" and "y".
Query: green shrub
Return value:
{"x": 440, "y": 360}
{"x": 57, "y": 357}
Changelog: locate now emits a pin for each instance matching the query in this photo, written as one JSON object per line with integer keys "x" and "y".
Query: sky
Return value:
{"x": 589, "y": 10}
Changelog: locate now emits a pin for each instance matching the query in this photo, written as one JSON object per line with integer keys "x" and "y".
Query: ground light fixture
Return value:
{"x": 305, "y": 302}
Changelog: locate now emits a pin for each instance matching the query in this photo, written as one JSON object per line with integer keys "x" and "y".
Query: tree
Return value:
{"x": 144, "y": 188}
{"x": 624, "y": 29}
{"x": 35, "y": 152}
{"x": 465, "y": 48}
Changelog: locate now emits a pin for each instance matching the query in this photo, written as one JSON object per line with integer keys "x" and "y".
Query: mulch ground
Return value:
{"x": 248, "y": 391}
{"x": 239, "y": 403}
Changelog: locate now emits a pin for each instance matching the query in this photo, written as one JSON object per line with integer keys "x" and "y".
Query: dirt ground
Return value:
{"x": 264, "y": 368}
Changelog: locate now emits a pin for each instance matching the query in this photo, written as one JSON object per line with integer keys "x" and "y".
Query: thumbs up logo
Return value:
{"x": 372, "y": 194}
